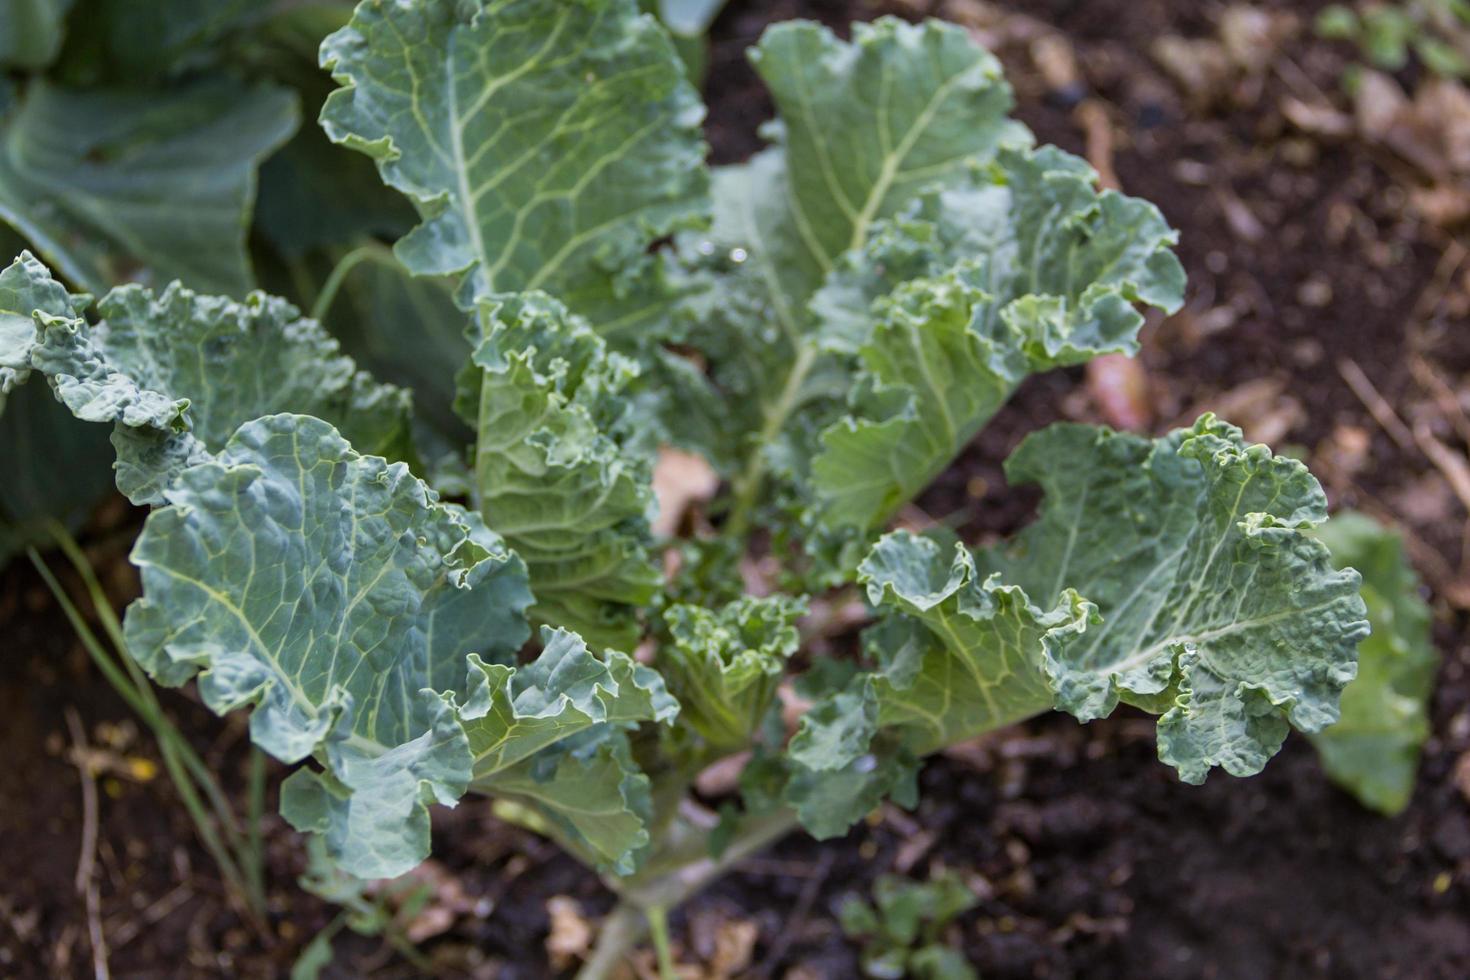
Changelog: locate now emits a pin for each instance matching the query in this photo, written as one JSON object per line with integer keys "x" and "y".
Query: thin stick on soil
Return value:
{"x": 178, "y": 756}
{"x": 86, "y": 878}
{"x": 799, "y": 915}
{"x": 1380, "y": 409}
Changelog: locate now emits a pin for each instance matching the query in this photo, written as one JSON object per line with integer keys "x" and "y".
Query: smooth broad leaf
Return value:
{"x": 131, "y": 41}
{"x": 60, "y": 467}
{"x": 141, "y": 184}
{"x": 1023, "y": 268}
{"x": 689, "y": 18}
{"x": 547, "y": 145}
{"x": 1220, "y": 610}
{"x": 31, "y": 32}
{"x": 381, "y": 311}
{"x": 557, "y": 469}
{"x": 1373, "y": 749}
{"x": 178, "y": 372}
{"x": 724, "y": 664}
{"x": 333, "y": 593}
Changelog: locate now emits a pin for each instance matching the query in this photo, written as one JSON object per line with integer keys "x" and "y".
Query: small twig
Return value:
{"x": 1444, "y": 397}
{"x": 797, "y": 920}
{"x": 86, "y": 879}
{"x": 161, "y": 909}
{"x": 1452, "y": 464}
{"x": 1381, "y": 410}
{"x": 1444, "y": 270}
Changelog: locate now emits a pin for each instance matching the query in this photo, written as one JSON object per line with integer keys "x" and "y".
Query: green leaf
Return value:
{"x": 724, "y": 664}
{"x": 1025, "y": 268}
{"x": 965, "y": 657}
{"x": 31, "y": 32}
{"x": 1220, "y": 610}
{"x": 935, "y": 962}
{"x": 546, "y": 145}
{"x": 689, "y": 18}
{"x": 127, "y": 41}
{"x": 864, "y": 126}
{"x": 332, "y": 592}
{"x": 381, "y": 311}
{"x": 1337, "y": 22}
{"x": 1373, "y": 750}
{"x": 548, "y": 735}
{"x": 591, "y": 791}
{"x": 27, "y": 288}
{"x": 1209, "y": 603}
{"x": 147, "y": 185}
{"x": 557, "y": 468}
{"x": 830, "y": 800}
{"x": 314, "y": 194}
{"x": 514, "y": 712}
{"x": 60, "y": 467}
{"x": 178, "y": 372}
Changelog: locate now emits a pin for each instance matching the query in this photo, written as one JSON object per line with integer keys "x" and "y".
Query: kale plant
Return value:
{"x": 829, "y": 324}
{"x": 903, "y": 930}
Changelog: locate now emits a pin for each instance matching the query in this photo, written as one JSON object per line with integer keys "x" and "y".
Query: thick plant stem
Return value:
{"x": 622, "y": 930}
{"x": 628, "y": 923}
{"x": 658, "y": 925}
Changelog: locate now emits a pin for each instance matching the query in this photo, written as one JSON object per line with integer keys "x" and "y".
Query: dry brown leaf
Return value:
{"x": 1119, "y": 387}
{"x": 725, "y": 943}
{"x": 1251, "y": 36}
{"x": 1378, "y": 103}
{"x": 1200, "y": 67}
{"x": 1442, "y": 107}
{"x": 1462, "y": 775}
{"x": 680, "y": 480}
{"x": 723, "y": 777}
{"x": 1446, "y": 205}
{"x": 571, "y": 934}
{"x": 1260, "y": 407}
{"x": 1316, "y": 118}
{"x": 1346, "y": 450}
{"x": 1057, "y": 61}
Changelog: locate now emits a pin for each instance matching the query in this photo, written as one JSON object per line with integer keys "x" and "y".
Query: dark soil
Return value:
{"x": 1091, "y": 859}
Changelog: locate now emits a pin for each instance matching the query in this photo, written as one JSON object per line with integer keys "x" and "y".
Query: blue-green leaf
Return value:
{"x": 547, "y": 145}
{"x": 143, "y": 185}
{"x": 557, "y": 468}
{"x": 724, "y": 664}
{"x": 333, "y": 593}
{"x": 178, "y": 372}
{"x": 1025, "y": 267}
{"x": 1220, "y": 610}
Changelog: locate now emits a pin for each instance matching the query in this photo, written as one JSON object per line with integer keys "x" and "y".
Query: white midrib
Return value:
{"x": 461, "y": 172}
{"x": 893, "y": 161}
{"x": 806, "y": 354}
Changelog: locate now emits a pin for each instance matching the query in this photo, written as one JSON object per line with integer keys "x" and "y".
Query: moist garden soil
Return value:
{"x": 1089, "y": 857}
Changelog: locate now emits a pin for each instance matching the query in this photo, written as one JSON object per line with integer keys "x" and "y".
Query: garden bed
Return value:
{"x": 1308, "y": 276}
